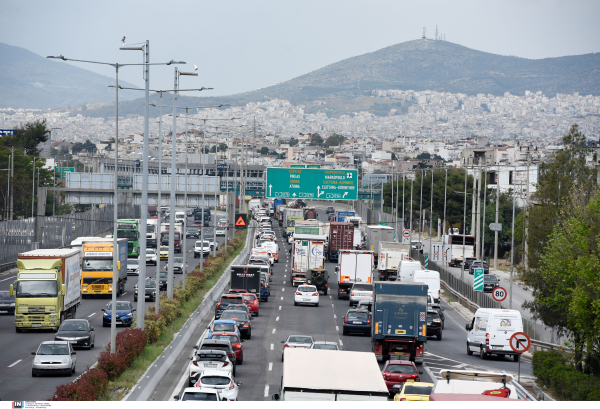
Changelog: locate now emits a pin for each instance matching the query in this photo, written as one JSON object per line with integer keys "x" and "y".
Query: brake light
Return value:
{"x": 352, "y": 294}
{"x": 231, "y": 385}
{"x": 246, "y": 326}
{"x": 218, "y": 306}
{"x": 298, "y": 293}
{"x": 402, "y": 399}
{"x": 225, "y": 364}
{"x": 346, "y": 320}
{"x": 315, "y": 293}
{"x": 369, "y": 321}
{"x": 487, "y": 339}
{"x": 286, "y": 345}
{"x": 195, "y": 363}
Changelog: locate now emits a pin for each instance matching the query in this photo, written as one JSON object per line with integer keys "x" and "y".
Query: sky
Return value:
{"x": 240, "y": 46}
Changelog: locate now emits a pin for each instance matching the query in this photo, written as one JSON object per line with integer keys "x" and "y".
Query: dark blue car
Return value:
{"x": 357, "y": 321}
{"x": 125, "y": 312}
{"x": 264, "y": 291}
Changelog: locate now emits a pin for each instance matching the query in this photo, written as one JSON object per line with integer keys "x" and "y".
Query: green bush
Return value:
{"x": 555, "y": 371}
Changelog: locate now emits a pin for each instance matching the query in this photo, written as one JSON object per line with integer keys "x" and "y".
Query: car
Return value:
{"x": 221, "y": 381}
{"x": 192, "y": 232}
{"x": 223, "y": 326}
{"x": 199, "y": 394}
{"x": 297, "y": 341}
{"x": 238, "y": 307}
{"x": 251, "y": 300}
{"x": 479, "y": 264}
{"x": 210, "y": 237}
{"x": 332, "y": 346}
{"x": 225, "y": 300}
{"x": 259, "y": 260}
{"x": 207, "y": 359}
{"x": 396, "y": 372}
{"x": 236, "y": 343}
{"x": 365, "y": 305}
{"x": 490, "y": 282}
{"x": 133, "y": 265}
{"x": 7, "y": 303}
{"x": 220, "y": 231}
{"x": 150, "y": 291}
{"x": 150, "y": 257}
{"x": 54, "y": 357}
{"x": 434, "y": 324}
{"x": 178, "y": 265}
{"x": 330, "y": 209}
{"x": 125, "y": 312}
{"x": 414, "y": 391}
{"x": 164, "y": 252}
{"x": 468, "y": 261}
{"x": 440, "y": 311}
{"x": 201, "y": 247}
{"x": 78, "y": 332}
{"x": 220, "y": 345}
{"x": 242, "y": 319}
{"x": 357, "y": 321}
{"x": 306, "y": 294}
{"x": 265, "y": 292}
{"x": 163, "y": 278}
{"x": 360, "y": 292}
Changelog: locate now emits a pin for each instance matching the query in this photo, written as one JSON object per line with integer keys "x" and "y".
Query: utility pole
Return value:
{"x": 483, "y": 216}
{"x": 512, "y": 247}
{"x": 496, "y": 221}
{"x": 159, "y": 203}
{"x": 173, "y": 190}
{"x": 115, "y": 277}
{"x": 526, "y": 244}
{"x": 444, "y": 222}
{"x": 473, "y": 208}
{"x": 462, "y": 267}
{"x": 185, "y": 224}
{"x": 403, "y": 214}
{"x": 421, "y": 209}
{"x": 478, "y": 219}
{"x": 203, "y": 158}
{"x": 12, "y": 175}
{"x": 411, "y": 213}
{"x": 431, "y": 217}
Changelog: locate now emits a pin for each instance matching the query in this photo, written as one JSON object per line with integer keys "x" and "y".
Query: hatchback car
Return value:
{"x": 222, "y": 326}
{"x": 225, "y": 300}
{"x": 7, "y": 303}
{"x": 150, "y": 291}
{"x": 178, "y": 265}
{"x": 357, "y": 321}
{"x": 221, "y": 381}
{"x": 297, "y": 341}
{"x": 199, "y": 394}
{"x": 236, "y": 343}
{"x": 238, "y": 307}
{"x": 54, "y": 357}
{"x": 490, "y": 282}
{"x": 164, "y": 252}
{"x": 434, "y": 324}
{"x": 360, "y": 292}
{"x": 132, "y": 266}
{"x": 151, "y": 256}
{"x": 242, "y": 320}
{"x": 479, "y": 264}
{"x": 78, "y": 332}
{"x": 395, "y": 373}
{"x": 252, "y": 302}
{"x": 306, "y": 294}
{"x": 163, "y": 280}
{"x": 207, "y": 360}
{"x": 220, "y": 345}
{"x": 125, "y": 312}
{"x": 329, "y": 345}
{"x": 414, "y": 391}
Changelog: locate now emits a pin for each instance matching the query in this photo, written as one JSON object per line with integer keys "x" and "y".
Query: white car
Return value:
{"x": 201, "y": 248}
{"x": 360, "y": 292}
{"x": 221, "y": 381}
{"x": 133, "y": 264}
{"x": 199, "y": 394}
{"x": 205, "y": 360}
{"x": 297, "y": 341}
{"x": 220, "y": 231}
{"x": 151, "y": 256}
{"x": 306, "y": 294}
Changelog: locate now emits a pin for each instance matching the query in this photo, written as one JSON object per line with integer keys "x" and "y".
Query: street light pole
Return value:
{"x": 159, "y": 203}
{"x": 483, "y": 221}
{"x": 115, "y": 278}
{"x": 444, "y": 222}
{"x": 33, "y": 189}
{"x": 512, "y": 245}
{"x": 462, "y": 267}
{"x": 431, "y": 217}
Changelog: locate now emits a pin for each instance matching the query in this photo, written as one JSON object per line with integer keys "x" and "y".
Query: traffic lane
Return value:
{"x": 7, "y": 280}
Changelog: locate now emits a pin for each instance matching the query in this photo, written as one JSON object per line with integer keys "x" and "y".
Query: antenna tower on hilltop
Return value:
{"x": 423, "y": 37}
{"x": 436, "y": 33}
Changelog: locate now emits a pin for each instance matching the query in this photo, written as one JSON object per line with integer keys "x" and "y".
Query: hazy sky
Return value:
{"x": 243, "y": 45}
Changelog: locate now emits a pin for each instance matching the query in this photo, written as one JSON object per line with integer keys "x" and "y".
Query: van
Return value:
{"x": 432, "y": 279}
{"x": 180, "y": 216}
{"x": 490, "y": 332}
{"x": 406, "y": 270}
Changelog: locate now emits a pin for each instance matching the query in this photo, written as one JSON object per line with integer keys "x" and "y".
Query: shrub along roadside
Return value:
{"x": 555, "y": 370}
{"x": 136, "y": 349}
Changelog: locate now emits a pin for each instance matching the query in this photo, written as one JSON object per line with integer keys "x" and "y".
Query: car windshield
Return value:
{"x": 151, "y": 284}
{"x": 203, "y": 396}
{"x": 300, "y": 339}
{"x": 325, "y": 346}
{"x": 74, "y": 326}
{"x": 417, "y": 390}
{"x": 240, "y": 315}
{"x": 53, "y": 349}
{"x": 194, "y": 228}
{"x": 165, "y": 236}
{"x": 214, "y": 380}
{"x": 490, "y": 278}
{"x": 400, "y": 369}
{"x": 127, "y": 234}
{"x": 178, "y": 260}
{"x": 149, "y": 251}
{"x": 34, "y": 288}
{"x": 362, "y": 287}
{"x": 131, "y": 261}
{"x": 307, "y": 289}
{"x": 230, "y": 338}
{"x": 224, "y": 327}
{"x": 164, "y": 248}
{"x": 98, "y": 265}
{"x": 120, "y": 306}
{"x": 359, "y": 315}
{"x": 150, "y": 228}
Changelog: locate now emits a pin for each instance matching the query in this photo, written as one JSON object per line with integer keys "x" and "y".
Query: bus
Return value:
{"x": 130, "y": 229}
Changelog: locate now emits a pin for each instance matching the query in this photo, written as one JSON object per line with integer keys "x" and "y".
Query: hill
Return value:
{"x": 28, "y": 80}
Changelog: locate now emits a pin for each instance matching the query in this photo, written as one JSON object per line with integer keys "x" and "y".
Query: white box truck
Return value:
{"x": 308, "y": 253}
{"x": 390, "y": 255}
{"x": 376, "y": 234}
{"x": 355, "y": 266}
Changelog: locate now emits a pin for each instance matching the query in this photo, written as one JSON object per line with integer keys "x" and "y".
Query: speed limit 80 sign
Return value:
{"x": 499, "y": 294}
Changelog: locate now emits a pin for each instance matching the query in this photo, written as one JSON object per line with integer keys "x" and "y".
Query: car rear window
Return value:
{"x": 230, "y": 338}
{"x": 240, "y": 315}
{"x": 249, "y": 297}
{"x": 400, "y": 369}
{"x": 417, "y": 390}
{"x": 305, "y": 340}
{"x": 223, "y": 327}
{"x": 215, "y": 380}
{"x": 307, "y": 289}
{"x": 219, "y": 347}
{"x": 202, "y": 396}
{"x": 362, "y": 287}
{"x": 231, "y": 300}
{"x": 358, "y": 315}
{"x": 211, "y": 357}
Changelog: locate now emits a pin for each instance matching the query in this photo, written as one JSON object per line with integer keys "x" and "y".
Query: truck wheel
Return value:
{"x": 469, "y": 352}
{"x": 482, "y": 354}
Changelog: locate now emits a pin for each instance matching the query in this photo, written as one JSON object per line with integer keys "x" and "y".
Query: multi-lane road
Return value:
{"x": 16, "y": 382}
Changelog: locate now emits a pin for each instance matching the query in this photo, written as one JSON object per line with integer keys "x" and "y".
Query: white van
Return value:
{"x": 432, "y": 279}
{"x": 406, "y": 270}
{"x": 490, "y": 332}
{"x": 180, "y": 217}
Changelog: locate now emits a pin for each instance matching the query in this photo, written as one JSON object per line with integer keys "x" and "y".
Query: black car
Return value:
{"x": 468, "y": 262}
{"x": 7, "y": 303}
{"x": 357, "y": 321}
{"x": 150, "y": 291}
{"x": 163, "y": 280}
{"x": 434, "y": 324}
{"x": 78, "y": 332}
{"x": 242, "y": 320}
{"x": 490, "y": 282}
{"x": 440, "y": 311}
{"x": 225, "y": 300}
{"x": 479, "y": 264}
{"x": 192, "y": 232}
{"x": 330, "y": 209}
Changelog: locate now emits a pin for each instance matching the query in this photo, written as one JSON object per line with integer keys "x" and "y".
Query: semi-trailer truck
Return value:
{"x": 97, "y": 267}
{"x": 376, "y": 234}
{"x": 47, "y": 290}
{"x": 341, "y": 237}
{"x": 355, "y": 266}
{"x": 390, "y": 255}
{"x": 307, "y": 254}
{"x": 453, "y": 249}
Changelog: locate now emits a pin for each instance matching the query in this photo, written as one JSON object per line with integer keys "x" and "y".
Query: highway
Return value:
{"x": 262, "y": 369}
{"x": 16, "y": 382}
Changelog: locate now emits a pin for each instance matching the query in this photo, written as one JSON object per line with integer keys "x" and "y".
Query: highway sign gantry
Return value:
{"x": 478, "y": 279}
{"x": 321, "y": 184}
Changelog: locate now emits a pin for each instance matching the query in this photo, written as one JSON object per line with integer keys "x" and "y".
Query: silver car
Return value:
{"x": 297, "y": 341}
{"x": 360, "y": 292}
{"x": 54, "y": 357}
{"x": 178, "y": 265}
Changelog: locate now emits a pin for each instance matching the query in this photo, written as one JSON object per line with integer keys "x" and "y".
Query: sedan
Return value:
{"x": 164, "y": 252}
{"x": 150, "y": 291}
{"x": 330, "y": 209}
{"x": 395, "y": 373}
{"x": 163, "y": 280}
{"x": 133, "y": 265}
{"x": 54, "y": 357}
{"x": 236, "y": 343}
{"x": 434, "y": 324}
{"x": 7, "y": 303}
{"x": 479, "y": 264}
{"x": 357, "y": 321}
{"x": 78, "y": 332}
{"x": 306, "y": 294}
{"x": 221, "y": 381}
{"x": 490, "y": 282}
{"x": 151, "y": 256}
{"x": 331, "y": 346}
{"x": 178, "y": 265}
{"x": 125, "y": 312}
{"x": 192, "y": 231}
{"x": 297, "y": 341}
{"x": 242, "y": 320}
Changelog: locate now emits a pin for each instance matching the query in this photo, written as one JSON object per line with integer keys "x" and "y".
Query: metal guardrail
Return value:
{"x": 540, "y": 394}
{"x": 522, "y": 393}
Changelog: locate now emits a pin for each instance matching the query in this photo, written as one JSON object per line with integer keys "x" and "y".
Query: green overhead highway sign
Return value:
{"x": 322, "y": 184}
{"x": 306, "y": 166}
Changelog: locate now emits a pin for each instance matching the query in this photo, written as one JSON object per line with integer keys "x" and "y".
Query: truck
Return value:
{"x": 355, "y": 266}
{"x": 310, "y": 213}
{"x": 97, "y": 267}
{"x": 358, "y": 235}
{"x": 178, "y": 232}
{"x": 199, "y": 214}
{"x": 307, "y": 254}
{"x": 327, "y": 375}
{"x": 47, "y": 290}
{"x": 340, "y": 216}
{"x": 307, "y": 227}
{"x": 341, "y": 237}
{"x": 453, "y": 249}
{"x": 253, "y": 203}
{"x": 152, "y": 212}
{"x": 78, "y": 244}
{"x": 289, "y": 215}
{"x": 130, "y": 229}
{"x": 399, "y": 323}
{"x": 390, "y": 255}
{"x": 246, "y": 277}
{"x": 151, "y": 232}
{"x": 375, "y": 234}
{"x": 276, "y": 203}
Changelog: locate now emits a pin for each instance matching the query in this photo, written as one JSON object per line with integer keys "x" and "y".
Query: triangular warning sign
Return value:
{"x": 240, "y": 222}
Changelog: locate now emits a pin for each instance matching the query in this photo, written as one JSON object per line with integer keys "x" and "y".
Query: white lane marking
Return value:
{"x": 91, "y": 315}
{"x": 282, "y": 298}
{"x": 330, "y": 297}
{"x": 283, "y": 281}
{"x": 284, "y": 276}
{"x": 331, "y": 305}
{"x": 283, "y": 289}
{"x": 273, "y": 331}
{"x": 334, "y": 316}
{"x": 272, "y": 346}
{"x": 9, "y": 278}
{"x": 341, "y": 343}
{"x": 280, "y": 307}
{"x": 14, "y": 363}
{"x": 270, "y": 366}
{"x": 337, "y": 328}
{"x": 277, "y": 319}
{"x": 125, "y": 293}
{"x": 266, "y": 391}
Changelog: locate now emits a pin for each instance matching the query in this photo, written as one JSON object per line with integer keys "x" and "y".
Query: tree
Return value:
{"x": 293, "y": 142}
{"x": 27, "y": 137}
{"x": 213, "y": 149}
{"x": 334, "y": 140}
{"x": 264, "y": 150}
{"x": 424, "y": 155}
{"x": 316, "y": 139}
{"x": 87, "y": 146}
{"x": 223, "y": 147}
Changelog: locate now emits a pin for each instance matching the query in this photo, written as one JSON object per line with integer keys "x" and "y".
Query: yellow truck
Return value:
{"x": 97, "y": 267}
{"x": 47, "y": 290}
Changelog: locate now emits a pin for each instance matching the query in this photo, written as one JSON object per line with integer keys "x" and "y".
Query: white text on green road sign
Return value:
{"x": 325, "y": 184}
{"x": 478, "y": 279}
